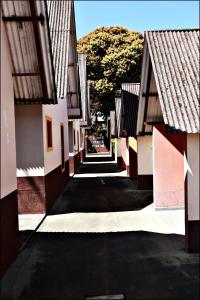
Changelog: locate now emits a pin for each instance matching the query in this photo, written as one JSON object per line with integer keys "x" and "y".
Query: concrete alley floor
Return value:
{"x": 103, "y": 237}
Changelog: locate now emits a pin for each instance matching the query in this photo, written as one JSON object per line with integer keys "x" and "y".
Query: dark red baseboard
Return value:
{"x": 133, "y": 170}
{"x": 74, "y": 163}
{"x": 37, "y": 194}
{"x": 145, "y": 182}
{"x": 31, "y": 195}
{"x": 82, "y": 155}
{"x": 193, "y": 236}
{"x": 55, "y": 182}
{"x": 9, "y": 233}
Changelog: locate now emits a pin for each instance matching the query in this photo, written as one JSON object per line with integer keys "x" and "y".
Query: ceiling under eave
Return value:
{"x": 26, "y": 25}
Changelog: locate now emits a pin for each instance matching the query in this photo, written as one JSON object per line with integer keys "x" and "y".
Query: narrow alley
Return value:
{"x": 91, "y": 248}
{"x": 100, "y": 143}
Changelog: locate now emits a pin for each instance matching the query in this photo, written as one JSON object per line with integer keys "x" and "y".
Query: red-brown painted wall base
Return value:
{"x": 37, "y": 194}
{"x": 82, "y": 155}
{"x": 9, "y": 233}
{"x": 123, "y": 151}
{"x": 123, "y": 165}
{"x": 133, "y": 170}
{"x": 71, "y": 165}
{"x": 145, "y": 182}
{"x": 193, "y": 236}
{"x": 55, "y": 182}
{"x": 128, "y": 170}
{"x": 74, "y": 163}
{"x": 31, "y": 195}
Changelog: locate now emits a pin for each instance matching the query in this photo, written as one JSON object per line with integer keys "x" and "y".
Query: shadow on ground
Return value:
{"x": 99, "y": 157}
{"x": 139, "y": 265}
{"x": 100, "y": 168}
{"x": 101, "y": 194}
{"x": 73, "y": 266}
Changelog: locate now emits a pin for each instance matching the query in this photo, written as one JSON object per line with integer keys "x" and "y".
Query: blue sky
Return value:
{"x": 136, "y": 15}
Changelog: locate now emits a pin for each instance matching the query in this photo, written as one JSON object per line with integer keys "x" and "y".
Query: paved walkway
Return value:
{"x": 104, "y": 237}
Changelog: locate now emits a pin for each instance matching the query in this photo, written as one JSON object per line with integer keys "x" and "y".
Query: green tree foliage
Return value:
{"x": 114, "y": 56}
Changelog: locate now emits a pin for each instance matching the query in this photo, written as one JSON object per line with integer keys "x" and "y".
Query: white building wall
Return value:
{"x": 119, "y": 150}
{"x": 145, "y": 155}
{"x": 193, "y": 148}
{"x": 29, "y": 140}
{"x": 82, "y": 138}
{"x": 76, "y": 127}
{"x": 58, "y": 113}
{"x": 8, "y": 147}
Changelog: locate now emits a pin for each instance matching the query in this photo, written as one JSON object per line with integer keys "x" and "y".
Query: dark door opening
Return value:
{"x": 62, "y": 146}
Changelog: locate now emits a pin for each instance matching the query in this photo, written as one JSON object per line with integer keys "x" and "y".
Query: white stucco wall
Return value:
{"x": 77, "y": 130}
{"x": 58, "y": 113}
{"x": 82, "y": 138}
{"x": 193, "y": 141}
{"x": 77, "y": 144}
{"x": 8, "y": 148}
{"x": 145, "y": 155}
{"x": 29, "y": 140}
{"x": 119, "y": 150}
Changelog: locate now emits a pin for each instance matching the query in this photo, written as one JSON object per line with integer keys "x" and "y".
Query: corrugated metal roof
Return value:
{"x": 89, "y": 112}
{"x": 30, "y": 50}
{"x": 63, "y": 37}
{"x": 59, "y": 23}
{"x": 175, "y": 60}
{"x": 118, "y": 112}
{"x": 126, "y": 109}
{"x": 83, "y": 87}
{"x": 130, "y": 93}
{"x": 133, "y": 88}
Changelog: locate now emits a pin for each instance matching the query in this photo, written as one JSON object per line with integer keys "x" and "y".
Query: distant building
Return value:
{"x": 126, "y": 108}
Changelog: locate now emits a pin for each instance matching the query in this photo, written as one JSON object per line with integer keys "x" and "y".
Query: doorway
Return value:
{"x": 62, "y": 147}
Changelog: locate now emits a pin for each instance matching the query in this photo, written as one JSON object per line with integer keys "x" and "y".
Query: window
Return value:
{"x": 49, "y": 134}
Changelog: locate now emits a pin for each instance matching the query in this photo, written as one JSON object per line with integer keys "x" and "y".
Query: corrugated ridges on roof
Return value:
{"x": 175, "y": 61}
{"x": 133, "y": 88}
{"x": 130, "y": 95}
{"x": 59, "y": 14}
{"x": 29, "y": 45}
{"x": 83, "y": 84}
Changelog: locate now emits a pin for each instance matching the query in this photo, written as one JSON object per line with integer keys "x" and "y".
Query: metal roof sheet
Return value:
{"x": 175, "y": 60}
{"x": 133, "y": 88}
{"x": 59, "y": 23}
{"x": 118, "y": 112}
{"x": 83, "y": 86}
{"x": 130, "y": 96}
{"x": 126, "y": 109}
{"x": 28, "y": 37}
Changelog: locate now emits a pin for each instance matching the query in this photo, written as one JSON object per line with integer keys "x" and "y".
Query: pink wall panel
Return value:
{"x": 123, "y": 150}
{"x": 168, "y": 165}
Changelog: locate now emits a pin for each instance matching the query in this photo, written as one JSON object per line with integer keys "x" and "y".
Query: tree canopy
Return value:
{"x": 114, "y": 56}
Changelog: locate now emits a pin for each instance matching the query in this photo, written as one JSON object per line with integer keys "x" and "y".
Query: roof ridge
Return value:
{"x": 183, "y": 29}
